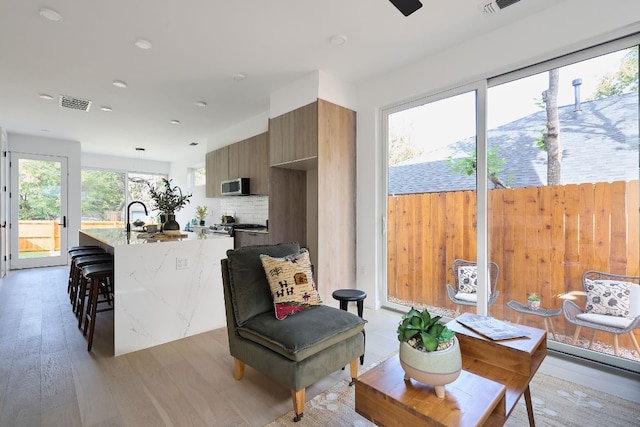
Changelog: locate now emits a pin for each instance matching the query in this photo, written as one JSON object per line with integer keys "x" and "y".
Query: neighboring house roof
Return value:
{"x": 599, "y": 144}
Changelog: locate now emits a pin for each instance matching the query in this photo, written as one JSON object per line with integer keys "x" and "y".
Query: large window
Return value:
{"x": 106, "y": 194}
{"x": 560, "y": 197}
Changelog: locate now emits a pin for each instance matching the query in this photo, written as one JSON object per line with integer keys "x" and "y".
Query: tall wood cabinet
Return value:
{"x": 312, "y": 197}
{"x": 248, "y": 158}
{"x": 217, "y": 168}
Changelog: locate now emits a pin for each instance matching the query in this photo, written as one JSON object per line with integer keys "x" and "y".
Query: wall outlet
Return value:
{"x": 182, "y": 263}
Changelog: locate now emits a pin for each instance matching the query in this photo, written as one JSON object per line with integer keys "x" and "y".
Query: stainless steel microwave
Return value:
{"x": 235, "y": 187}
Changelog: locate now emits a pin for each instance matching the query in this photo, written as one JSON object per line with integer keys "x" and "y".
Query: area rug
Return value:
{"x": 556, "y": 403}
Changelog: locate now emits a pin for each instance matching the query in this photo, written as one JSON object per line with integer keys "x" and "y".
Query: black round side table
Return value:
{"x": 347, "y": 295}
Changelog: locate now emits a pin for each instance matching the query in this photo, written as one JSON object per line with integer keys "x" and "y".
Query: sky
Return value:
{"x": 441, "y": 123}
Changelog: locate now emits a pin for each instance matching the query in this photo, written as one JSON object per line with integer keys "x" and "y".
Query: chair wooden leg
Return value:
{"x": 593, "y": 336}
{"x": 635, "y": 342}
{"x": 353, "y": 370}
{"x": 298, "y": 402}
{"x": 553, "y": 331}
{"x": 238, "y": 369}
{"x": 576, "y": 335}
{"x": 616, "y": 349}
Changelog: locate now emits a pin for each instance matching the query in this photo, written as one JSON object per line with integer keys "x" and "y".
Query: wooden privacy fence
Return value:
{"x": 542, "y": 238}
{"x": 44, "y": 235}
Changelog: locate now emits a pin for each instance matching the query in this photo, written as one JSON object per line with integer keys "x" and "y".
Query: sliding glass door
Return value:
{"x": 534, "y": 172}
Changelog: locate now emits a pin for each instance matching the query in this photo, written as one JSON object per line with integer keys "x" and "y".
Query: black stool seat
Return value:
{"x": 347, "y": 295}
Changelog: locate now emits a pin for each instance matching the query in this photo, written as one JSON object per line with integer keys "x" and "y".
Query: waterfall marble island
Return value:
{"x": 164, "y": 290}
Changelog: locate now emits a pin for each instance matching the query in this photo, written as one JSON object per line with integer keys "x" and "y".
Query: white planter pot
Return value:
{"x": 436, "y": 368}
{"x": 533, "y": 305}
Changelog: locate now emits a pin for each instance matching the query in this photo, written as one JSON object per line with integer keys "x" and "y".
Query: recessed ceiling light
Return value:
{"x": 105, "y": 108}
{"x": 201, "y": 104}
{"x": 239, "y": 77}
{"x": 175, "y": 122}
{"x": 338, "y": 40}
{"x": 45, "y": 130}
{"x": 46, "y": 96}
{"x": 50, "y": 14}
{"x": 143, "y": 44}
{"x": 120, "y": 84}
{"x": 140, "y": 149}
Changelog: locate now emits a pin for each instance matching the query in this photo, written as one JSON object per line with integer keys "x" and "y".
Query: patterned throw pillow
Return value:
{"x": 291, "y": 282}
{"x": 468, "y": 279}
{"x": 608, "y": 297}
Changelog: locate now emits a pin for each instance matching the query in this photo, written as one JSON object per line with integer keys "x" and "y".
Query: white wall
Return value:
{"x": 566, "y": 27}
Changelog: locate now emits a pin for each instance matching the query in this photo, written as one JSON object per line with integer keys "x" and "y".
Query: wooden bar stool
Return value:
{"x": 99, "y": 277}
{"x": 78, "y": 251}
{"x": 347, "y": 295}
{"x": 79, "y": 289}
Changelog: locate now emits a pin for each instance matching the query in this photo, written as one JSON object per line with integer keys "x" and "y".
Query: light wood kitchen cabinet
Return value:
{"x": 293, "y": 136}
{"x": 312, "y": 198}
{"x": 248, "y": 158}
{"x": 254, "y": 162}
{"x": 235, "y": 154}
{"x": 217, "y": 168}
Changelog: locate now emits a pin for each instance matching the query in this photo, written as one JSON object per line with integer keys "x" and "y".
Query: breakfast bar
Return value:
{"x": 165, "y": 289}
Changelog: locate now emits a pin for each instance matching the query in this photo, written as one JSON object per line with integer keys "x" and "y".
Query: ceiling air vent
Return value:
{"x": 74, "y": 103}
{"x": 497, "y": 5}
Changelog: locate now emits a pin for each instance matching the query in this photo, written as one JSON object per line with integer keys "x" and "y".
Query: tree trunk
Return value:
{"x": 552, "y": 131}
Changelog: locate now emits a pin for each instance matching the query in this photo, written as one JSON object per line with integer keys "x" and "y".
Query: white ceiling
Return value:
{"x": 198, "y": 45}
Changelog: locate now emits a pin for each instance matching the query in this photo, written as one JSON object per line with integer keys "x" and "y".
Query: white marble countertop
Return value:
{"x": 119, "y": 237}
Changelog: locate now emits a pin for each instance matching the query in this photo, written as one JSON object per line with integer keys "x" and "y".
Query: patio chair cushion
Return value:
{"x": 462, "y": 296}
{"x": 291, "y": 282}
{"x": 610, "y": 297}
{"x": 468, "y": 280}
{"x": 605, "y": 320}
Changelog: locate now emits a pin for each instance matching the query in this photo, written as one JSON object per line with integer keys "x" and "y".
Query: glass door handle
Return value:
{"x": 64, "y": 221}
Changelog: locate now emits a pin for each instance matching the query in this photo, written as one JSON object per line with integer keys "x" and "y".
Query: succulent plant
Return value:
{"x": 422, "y": 331}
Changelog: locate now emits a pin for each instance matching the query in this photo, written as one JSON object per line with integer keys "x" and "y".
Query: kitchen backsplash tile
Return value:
{"x": 245, "y": 209}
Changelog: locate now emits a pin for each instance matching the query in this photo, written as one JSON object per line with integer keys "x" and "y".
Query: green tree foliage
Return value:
{"x": 102, "y": 191}
{"x": 39, "y": 190}
{"x": 624, "y": 80}
{"x": 495, "y": 164}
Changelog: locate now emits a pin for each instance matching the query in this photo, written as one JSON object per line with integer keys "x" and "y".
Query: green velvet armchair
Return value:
{"x": 296, "y": 351}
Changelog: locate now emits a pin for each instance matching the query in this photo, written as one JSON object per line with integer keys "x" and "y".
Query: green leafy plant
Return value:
{"x": 168, "y": 199}
{"x": 423, "y": 332}
{"x": 201, "y": 212}
{"x": 533, "y": 297}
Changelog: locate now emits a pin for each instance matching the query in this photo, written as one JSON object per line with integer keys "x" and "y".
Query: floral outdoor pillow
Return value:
{"x": 608, "y": 297}
{"x": 291, "y": 282}
{"x": 468, "y": 279}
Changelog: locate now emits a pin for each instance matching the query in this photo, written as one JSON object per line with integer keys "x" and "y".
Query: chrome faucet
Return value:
{"x": 129, "y": 213}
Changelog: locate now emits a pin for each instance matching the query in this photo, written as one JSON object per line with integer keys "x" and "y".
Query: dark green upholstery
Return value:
{"x": 296, "y": 351}
{"x": 250, "y": 290}
{"x": 298, "y": 337}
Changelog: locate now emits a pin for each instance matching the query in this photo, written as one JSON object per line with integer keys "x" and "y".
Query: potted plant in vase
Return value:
{"x": 533, "y": 301}
{"x": 429, "y": 350}
{"x": 168, "y": 200}
{"x": 201, "y": 213}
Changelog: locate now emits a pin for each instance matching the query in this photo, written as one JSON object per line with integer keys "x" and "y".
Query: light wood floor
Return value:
{"x": 47, "y": 377}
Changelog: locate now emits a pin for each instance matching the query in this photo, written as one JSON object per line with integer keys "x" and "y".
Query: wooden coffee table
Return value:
{"x": 495, "y": 375}
{"x": 383, "y": 396}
